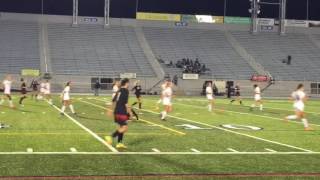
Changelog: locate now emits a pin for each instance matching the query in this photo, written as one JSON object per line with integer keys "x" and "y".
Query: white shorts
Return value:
{"x": 257, "y": 97}
{"x": 209, "y": 97}
{"x": 42, "y": 90}
{"x": 7, "y": 91}
{"x": 66, "y": 98}
{"x": 166, "y": 102}
{"x": 47, "y": 92}
{"x": 298, "y": 107}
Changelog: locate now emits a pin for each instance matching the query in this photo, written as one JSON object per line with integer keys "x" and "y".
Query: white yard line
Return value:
{"x": 236, "y": 112}
{"x": 232, "y": 150}
{"x": 160, "y": 153}
{"x": 234, "y": 132}
{"x": 88, "y": 130}
{"x": 270, "y": 150}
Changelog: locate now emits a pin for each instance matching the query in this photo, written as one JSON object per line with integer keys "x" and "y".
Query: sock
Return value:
{"x": 305, "y": 123}
{"x": 20, "y": 101}
{"x": 140, "y": 105}
{"x": 210, "y": 107}
{"x": 115, "y": 134}
{"x": 261, "y": 107}
{"x": 164, "y": 114}
{"x": 120, "y": 137}
{"x": 63, "y": 108}
{"x": 10, "y": 103}
{"x": 71, "y": 108}
{"x": 291, "y": 117}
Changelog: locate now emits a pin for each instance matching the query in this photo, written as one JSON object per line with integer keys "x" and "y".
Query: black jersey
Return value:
{"x": 121, "y": 99}
{"x": 237, "y": 91}
{"x": 23, "y": 88}
{"x": 34, "y": 85}
{"x": 137, "y": 90}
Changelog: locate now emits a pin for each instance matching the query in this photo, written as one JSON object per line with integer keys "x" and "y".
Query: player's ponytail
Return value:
{"x": 299, "y": 86}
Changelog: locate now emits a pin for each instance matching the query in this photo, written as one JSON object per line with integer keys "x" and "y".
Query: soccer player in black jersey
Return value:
{"x": 34, "y": 85}
{"x": 137, "y": 91}
{"x": 237, "y": 94}
{"x": 23, "y": 91}
{"x": 122, "y": 113}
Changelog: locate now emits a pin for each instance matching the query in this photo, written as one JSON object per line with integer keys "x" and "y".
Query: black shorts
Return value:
{"x": 237, "y": 94}
{"x": 121, "y": 119}
{"x": 138, "y": 95}
{"x": 23, "y": 92}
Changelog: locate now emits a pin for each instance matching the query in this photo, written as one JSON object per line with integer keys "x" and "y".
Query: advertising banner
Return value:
{"x": 158, "y": 16}
{"x": 191, "y": 76}
{"x": 266, "y": 21}
{"x": 237, "y": 20}
{"x": 30, "y": 72}
{"x": 314, "y": 24}
{"x": 296, "y": 23}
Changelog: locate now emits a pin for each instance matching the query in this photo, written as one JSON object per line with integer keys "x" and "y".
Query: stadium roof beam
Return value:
{"x": 282, "y": 26}
{"x": 75, "y": 12}
{"x": 106, "y": 13}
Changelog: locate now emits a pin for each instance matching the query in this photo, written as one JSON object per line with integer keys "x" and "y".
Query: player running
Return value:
{"x": 163, "y": 87}
{"x": 47, "y": 92}
{"x": 209, "y": 93}
{"x": 23, "y": 91}
{"x": 137, "y": 91}
{"x": 122, "y": 113}
{"x": 257, "y": 98}
{"x": 299, "y": 98}
{"x": 34, "y": 85}
{"x": 237, "y": 94}
{"x": 7, "y": 91}
{"x": 42, "y": 90}
{"x": 66, "y": 100}
{"x": 166, "y": 100}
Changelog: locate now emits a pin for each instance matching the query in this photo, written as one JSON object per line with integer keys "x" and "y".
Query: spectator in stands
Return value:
{"x": 97, "y": 87}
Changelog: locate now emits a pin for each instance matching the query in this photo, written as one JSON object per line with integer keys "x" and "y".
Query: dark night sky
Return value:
{"x": 296, "y": 9}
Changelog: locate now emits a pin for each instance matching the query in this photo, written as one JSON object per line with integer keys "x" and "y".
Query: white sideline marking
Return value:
{"x": 29, "y": 150}
{"x": 73, "y": 150}
{"x": 43, "y": 112}
{"x": 234, "y": 132}
{"x": 232, "y": 150}
{"x": 270, "y": 150}
{"x": 236, "y": 112}
{"x": 3, "y": 112}
{"x": 23, "y": 112}
{"x": 155, "y": 150}
{"x": 195, "y": 150}
{"x": 160, "y": 153}
{"x": 88, "y": 130}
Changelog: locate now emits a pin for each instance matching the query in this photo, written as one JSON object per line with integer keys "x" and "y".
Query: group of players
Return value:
{"x": 122, "y": 111}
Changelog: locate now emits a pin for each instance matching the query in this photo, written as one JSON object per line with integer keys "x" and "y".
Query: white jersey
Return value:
{"x": 7, "y": 86}
{"x": 47, "y": 88}
{"x": 167, "y": 96}
{"x": 209, "y": 93}
{"x": 298, "y": 97}
{"x": 42, "y": 87}
{"x": 257, "y": 94}
{"x": 115, "y": 89}
{"x": 66, "y": 93}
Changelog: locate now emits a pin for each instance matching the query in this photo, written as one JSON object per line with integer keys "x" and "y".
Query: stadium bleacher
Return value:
{"x": 19, "y": 46}
{"x": 95, "y": 51}
{"x": 269, "y": 49}
{"x": 210, "y": 46}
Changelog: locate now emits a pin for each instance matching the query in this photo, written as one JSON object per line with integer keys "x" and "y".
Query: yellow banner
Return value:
{"x": 218, "y": 19}
{"x": 30, "y": 72}
{"x": 158, "y": 16}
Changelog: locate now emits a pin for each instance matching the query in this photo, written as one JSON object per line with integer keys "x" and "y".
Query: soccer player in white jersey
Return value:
{"x": 257, "y": 98}
{"x": 163, "y": 86}
{"x": 66, "y": 100}
{"x": 299, "y": 97}
{"x": 47, "y": 91}
{"x": 209, "y": 93}
{"x": 115, "y": 89}
{"x": 7, "y": 91}
{"x": 42, "y": 90}
{"x": 166, "y": 100}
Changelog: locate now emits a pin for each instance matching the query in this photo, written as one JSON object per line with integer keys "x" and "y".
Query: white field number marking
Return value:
{"x": 191, "y": 127}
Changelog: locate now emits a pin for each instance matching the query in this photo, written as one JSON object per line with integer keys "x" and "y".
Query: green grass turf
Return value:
{"x": 39, "y": 126}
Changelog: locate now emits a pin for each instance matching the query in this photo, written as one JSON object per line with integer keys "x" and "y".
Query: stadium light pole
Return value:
{"x": 106, "y": 13}
{"x": 282, "y": 24}
{"x": 255, "y": 9}
{"x": 75, "y": 13}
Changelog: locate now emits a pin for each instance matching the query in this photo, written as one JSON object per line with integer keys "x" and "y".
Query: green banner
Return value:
{"x": 30, "y": 72}
{"x": 237, "y": 20}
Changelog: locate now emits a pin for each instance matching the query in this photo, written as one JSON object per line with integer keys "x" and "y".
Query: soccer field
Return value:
{"x": 231, "y": 140}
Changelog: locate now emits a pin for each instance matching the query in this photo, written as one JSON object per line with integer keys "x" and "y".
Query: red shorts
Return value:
{"x": 121, "y": 119}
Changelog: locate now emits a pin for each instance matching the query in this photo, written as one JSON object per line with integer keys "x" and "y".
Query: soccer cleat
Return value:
{"x": 108, "y": 140}
{"x": 121, "y": 146}
{"x": 308, "y": 129}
